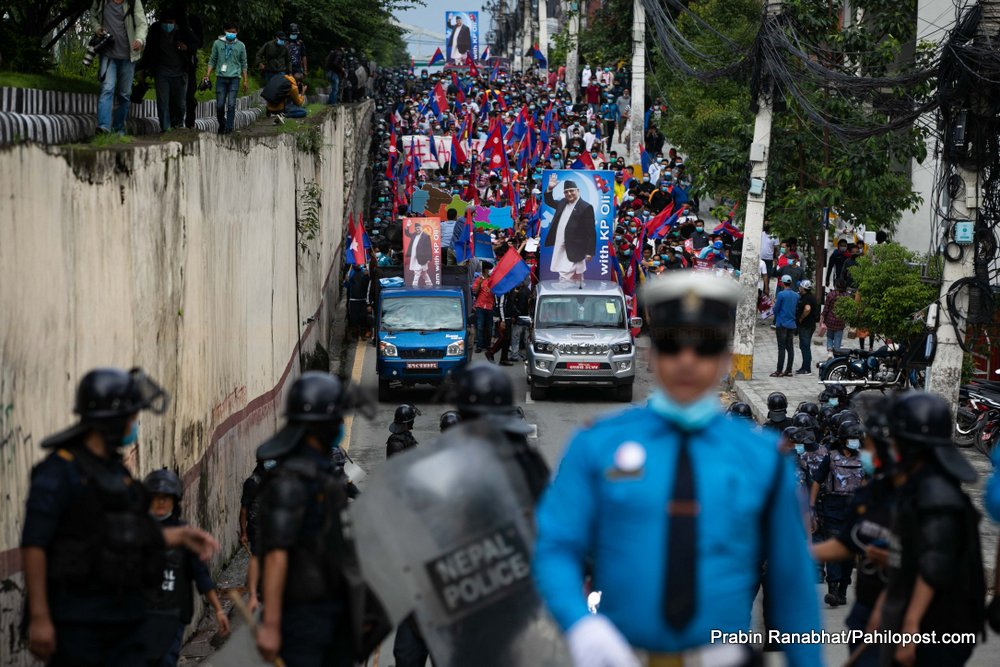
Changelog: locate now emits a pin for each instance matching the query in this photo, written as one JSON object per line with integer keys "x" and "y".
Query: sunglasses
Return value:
{"x": 703, "y": 343}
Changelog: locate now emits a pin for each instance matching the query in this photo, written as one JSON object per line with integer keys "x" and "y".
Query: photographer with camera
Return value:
{"x": 124, "y": 21}
{"x": 229, "y": 61}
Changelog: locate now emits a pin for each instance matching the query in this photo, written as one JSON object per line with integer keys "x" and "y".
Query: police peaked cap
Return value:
{"x": 691, "y": 299}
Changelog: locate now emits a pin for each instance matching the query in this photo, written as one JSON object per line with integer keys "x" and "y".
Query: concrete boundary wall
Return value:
{"x": 184, "y": 259}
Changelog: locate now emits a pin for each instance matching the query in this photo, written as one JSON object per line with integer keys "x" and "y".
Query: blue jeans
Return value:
{"x": 834, "y": 339}
{"x": 115, "y": 87}
{"x": 334, "y": 80}
{"x": 805, "y": 347}
{"x": 484, "y": 328}
{"x": 226, "y": 88}
{"x": 294, "y": 111}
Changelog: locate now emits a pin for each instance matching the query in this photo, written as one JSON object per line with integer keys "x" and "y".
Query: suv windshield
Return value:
{"x": 584, "y": 310}
{"x": 422, "y": 313}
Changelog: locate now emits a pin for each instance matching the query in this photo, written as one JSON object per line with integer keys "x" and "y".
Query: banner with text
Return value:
{"x": 461, "y": 34}
{"x": 422, "y": 252}
{"x": 577, "y": 219}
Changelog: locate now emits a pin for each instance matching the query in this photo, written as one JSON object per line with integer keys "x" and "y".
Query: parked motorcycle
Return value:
{"x": 977, "y": 421}
{"x": 885, "y": 368}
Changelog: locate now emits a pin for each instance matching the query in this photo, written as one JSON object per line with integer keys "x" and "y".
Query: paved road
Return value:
{"x": 556, "y": 420}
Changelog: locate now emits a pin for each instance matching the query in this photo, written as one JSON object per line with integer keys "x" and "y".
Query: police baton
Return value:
{"x": 244, "y": 612}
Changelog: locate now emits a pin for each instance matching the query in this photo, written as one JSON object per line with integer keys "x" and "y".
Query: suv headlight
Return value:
{"x": 456, "y": 349}
{"x": 387, "y": 349}
{"x": 544, "y": 347}
{"x": 622, "y": 348}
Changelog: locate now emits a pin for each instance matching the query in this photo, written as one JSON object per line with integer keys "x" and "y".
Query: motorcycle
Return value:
{"x": 885, "y": 368}
{"x": 977, "y": 421}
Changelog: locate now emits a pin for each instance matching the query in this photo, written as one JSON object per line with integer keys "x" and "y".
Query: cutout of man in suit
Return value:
{"x": 419, "y": 255}
{"x": 460, "y": 42}
{"x": 572, "y": 234}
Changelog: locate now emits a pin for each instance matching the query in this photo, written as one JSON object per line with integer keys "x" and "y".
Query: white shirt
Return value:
{"x": 763, "y": 273}
{"x": 560, "y": 262}
{"x": 455, "y": 55}
{"x": 585, "y": 77}
{"x": 766, "y": 246}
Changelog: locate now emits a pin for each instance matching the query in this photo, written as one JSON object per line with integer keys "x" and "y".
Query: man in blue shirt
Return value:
{"x": 785, "y": 305}
{"x": 678, "y": 511}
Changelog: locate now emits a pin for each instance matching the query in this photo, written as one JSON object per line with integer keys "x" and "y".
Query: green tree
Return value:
{"x": 892, "y": 294}
{"x": 809, "y": 170}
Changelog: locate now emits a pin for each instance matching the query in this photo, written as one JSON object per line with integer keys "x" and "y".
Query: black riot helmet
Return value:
{"x": 482, "y": 390}
{"x": 164, "y": 482}
{"x": 803, "y": 420}
{"x": 850, "y": 430}
{"x": 826, "y": 415}
{"x": 921, "y": 422}
{"x": 800, "y": 436}
{"x": 448, "y": 419}
{"x": 834, "y": 392}
{"x": 740, "y": 409}
{"x": 315, "y": 397}
{"x": 107, "y": 400}
{"x": 111, "y": 393}
{"x": 777, "y": 407}
{"x": 403, "y": 418}
{"x": 808, "y": 408}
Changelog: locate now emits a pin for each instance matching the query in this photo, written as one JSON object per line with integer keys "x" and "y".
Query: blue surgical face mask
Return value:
{"x": 854, "y": 444}
{"x": 833, "y": 402}
{"x": 130, "y": 437}
{"x": 690, "y": 417}
{"x": 800, "y": 449}
{"x": 699, "y": 229}
{"x": 279, "y": 42}
{"x": 168, "y": 27}
{"x": 867, "y": 462}
{"x": 270, "y": 464}
{"x": 293, "y": 37}
{"x": 230, "y": 36}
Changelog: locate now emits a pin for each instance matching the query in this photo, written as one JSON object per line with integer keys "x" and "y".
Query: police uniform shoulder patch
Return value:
{"x": 64, "y": 454}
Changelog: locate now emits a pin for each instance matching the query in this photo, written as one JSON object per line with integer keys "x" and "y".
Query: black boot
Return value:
{"x": 831, "y": 598}
{"x": 842, "y": 592}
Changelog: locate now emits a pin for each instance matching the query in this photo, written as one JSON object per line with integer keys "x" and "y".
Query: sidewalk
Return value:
{"x": 797, "y": 388}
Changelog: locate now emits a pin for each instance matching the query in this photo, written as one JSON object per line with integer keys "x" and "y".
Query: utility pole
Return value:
{"x": 945, "y": 375}
{"x": 543, "y": 29}
{"x": 526, "y": 34}
{"x": 637, "y": 118}
{"x": 753, "y": 227}
{"x": 573, "y": 57}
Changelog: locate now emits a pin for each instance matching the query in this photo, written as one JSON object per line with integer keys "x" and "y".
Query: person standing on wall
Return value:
{"x": 229, "y": 61}
{"x": 273, "y": 59}
{"x": 125, "y": 21}
{"x": 166, "y": 57}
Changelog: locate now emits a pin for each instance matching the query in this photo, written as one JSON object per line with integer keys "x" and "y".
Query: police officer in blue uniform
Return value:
{"x": 678, "y": 505}
{"x": 88, "y": 544}
{"x": 302, "y": 550}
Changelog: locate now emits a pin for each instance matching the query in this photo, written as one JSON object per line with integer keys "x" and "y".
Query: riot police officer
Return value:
{"x": 401, "y": 430}
{"x": 834, "y": 396}
{"x": 868, "y": 528}
{"x": 482, "y": 392}
{"x": 249, "y": 506}
{"x": 678, "y": 511}
{"x": 936, "y": 580}
{"x": 777, "y": 412}
{"x": 169, "y": 603}
{"x": 839, "y": 475}
{"x": 88, "y": 544}
{"x": 301, "y": 544}
{"x": 809, "y": 408}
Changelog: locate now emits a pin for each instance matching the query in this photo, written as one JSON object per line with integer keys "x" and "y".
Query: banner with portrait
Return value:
{"x": 422, "y": 252}
{"x": 577, "y": 220}
{"x": 461, "y": 37}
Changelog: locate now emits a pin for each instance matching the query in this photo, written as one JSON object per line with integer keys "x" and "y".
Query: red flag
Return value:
{"x": 658, "y": 219}
{"x": 391, "y": 162}
{"x": 473, "y": 70}
{"x": 494, "y": 148}
{"x": 440, "y": 98}
{"x": 456, "y": 148}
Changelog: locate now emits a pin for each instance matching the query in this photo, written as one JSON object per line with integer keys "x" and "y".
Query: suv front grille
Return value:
{"x": 420, "y": 353}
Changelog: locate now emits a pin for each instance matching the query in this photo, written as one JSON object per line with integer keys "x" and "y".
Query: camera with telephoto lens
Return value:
{"x": 97, "y": 44}
{"x": 205, "y": 84}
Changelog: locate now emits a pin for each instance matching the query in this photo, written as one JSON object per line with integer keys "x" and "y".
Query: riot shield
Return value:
{"x": 445, "y": 531}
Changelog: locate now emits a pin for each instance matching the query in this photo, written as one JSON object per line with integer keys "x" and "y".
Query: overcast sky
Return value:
{"x": 431, "y": 17}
